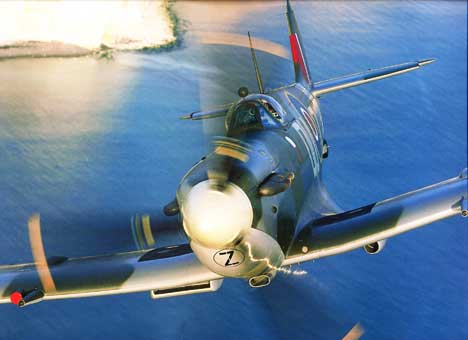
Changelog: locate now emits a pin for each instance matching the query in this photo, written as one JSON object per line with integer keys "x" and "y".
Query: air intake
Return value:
{"x": 202, "y": 287}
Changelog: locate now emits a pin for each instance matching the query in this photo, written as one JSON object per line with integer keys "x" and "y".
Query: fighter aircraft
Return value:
{"x": 243, "y": 205}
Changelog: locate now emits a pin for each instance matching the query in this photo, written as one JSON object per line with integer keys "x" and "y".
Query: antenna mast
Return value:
{"x": 257, "y": 70}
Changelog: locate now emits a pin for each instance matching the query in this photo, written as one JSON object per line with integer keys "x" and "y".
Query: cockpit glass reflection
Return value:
{"x": 253, "y": 115}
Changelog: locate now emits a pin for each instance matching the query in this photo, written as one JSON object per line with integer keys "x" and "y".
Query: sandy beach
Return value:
{"x": 76, "y": 28}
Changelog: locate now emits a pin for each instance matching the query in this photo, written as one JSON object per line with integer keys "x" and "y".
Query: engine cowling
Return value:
{"x": 375, "y": 247}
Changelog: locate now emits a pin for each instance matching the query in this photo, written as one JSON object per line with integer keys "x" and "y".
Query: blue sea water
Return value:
{"x": 87, "y": 142}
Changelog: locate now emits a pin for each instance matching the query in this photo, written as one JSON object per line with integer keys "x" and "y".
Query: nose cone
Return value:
{"x": 216, "y": 216}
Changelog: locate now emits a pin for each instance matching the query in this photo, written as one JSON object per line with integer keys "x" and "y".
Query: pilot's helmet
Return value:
{"x": 249, "y": 113}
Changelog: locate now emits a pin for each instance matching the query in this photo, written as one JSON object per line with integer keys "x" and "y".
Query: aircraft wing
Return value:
{"x": 339, "y": 233}
{"x": 164, "y": 271}
{"x": 355, "y": 79}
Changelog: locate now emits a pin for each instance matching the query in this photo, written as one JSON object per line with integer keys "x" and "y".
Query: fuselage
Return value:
{"x": 268, "y": 135}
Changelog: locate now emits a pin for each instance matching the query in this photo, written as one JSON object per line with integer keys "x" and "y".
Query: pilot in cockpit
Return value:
{"x": 252, "y": 115}
{"x": 245, "y": 117}
{"x": 248, "y": 114}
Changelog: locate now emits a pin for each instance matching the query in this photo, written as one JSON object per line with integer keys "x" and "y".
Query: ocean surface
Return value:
{"x": 88, "y": 142}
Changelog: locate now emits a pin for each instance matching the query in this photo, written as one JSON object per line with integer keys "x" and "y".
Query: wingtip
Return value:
{"x": 425, "y": 62}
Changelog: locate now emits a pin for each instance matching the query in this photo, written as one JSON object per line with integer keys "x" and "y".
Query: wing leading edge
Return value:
{"x": 335, "y": 234}
{"x": 165, "y": 269}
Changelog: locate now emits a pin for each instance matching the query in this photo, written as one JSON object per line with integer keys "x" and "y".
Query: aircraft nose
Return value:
{"x": 215, "y": 216}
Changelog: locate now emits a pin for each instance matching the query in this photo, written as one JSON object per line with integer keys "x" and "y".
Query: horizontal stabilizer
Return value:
{"x": 355, "y": 79}
{"x": 212, "y": 113}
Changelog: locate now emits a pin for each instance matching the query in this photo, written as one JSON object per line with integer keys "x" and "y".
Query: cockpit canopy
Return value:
{"x": 255, "y": 112}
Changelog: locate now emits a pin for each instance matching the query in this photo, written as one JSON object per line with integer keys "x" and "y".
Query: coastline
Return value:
{"x": 52, "y": 49}
{"x": 175, "y": 25}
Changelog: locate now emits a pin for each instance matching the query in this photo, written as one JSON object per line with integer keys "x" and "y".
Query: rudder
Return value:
{"x": 301, "y": 70}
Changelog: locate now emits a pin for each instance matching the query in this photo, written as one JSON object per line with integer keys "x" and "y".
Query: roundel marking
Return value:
{"x": 229, "y": 257}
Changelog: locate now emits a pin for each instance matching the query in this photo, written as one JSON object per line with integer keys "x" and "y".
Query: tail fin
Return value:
{"x": 301, "y": 69}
